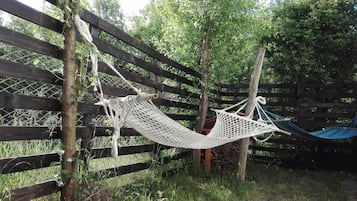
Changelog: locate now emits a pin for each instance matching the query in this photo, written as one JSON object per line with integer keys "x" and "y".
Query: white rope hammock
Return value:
{"x": 141, "y": 114}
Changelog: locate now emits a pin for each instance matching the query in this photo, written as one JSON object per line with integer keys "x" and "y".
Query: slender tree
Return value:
{"x": 69, "y": 103}
{"x": 177, "y": 28}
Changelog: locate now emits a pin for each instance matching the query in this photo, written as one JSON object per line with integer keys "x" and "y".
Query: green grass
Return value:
{"x": 262, "y": 183}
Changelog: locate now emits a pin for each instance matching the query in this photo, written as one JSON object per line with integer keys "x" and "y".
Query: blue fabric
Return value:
{"x": 338, "y": 132}
{"x": 335, "y": 133}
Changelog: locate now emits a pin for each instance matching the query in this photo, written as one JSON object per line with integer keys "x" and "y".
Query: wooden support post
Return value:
{"x": 197, "y": 156}
{"x": 69, "y": 103}
{"x": 204, "y": 61}
{"x": 253, "y": 90}
{"x": 157, "y": 79}
{"x": 208, "y": 154}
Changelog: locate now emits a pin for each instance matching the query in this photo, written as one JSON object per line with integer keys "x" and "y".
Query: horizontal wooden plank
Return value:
{"x": 328, "y": 86}
{"x": 125, "y": 56}
{"x": 266, "y": 95}
{"x": 176, "y": 104}
{"x": 102, "y": 131}
{"x": 328, "y": 105}
{"x": 24, "y": 163}
{"x": 134, "y": 149}
{"x": 12, "y": 101}
{"x": 11, "y": 69}
{"x": 34, "y": 191}
{"x": 129, "y": 75}
{"x": 30, "y": 14}
{"x": 26, "y": 42}
{"x": 9, "y": 133}
{"x": 122, "y": 170}
{"x": 116, "y": 91}
{"x": 179, "y": 91}
{"x": 327, "y": 115}
{"x": 269, "y": 103}
{"x": 326, "y": 95}
{"x": 182, "y": 117}
{"x": 262, "y": 85}
{"x": 19, "y": 164}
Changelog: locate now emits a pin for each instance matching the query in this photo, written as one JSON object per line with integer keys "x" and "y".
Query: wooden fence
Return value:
{"x": 150, "y": 70}
{"x": 312, "y": 107}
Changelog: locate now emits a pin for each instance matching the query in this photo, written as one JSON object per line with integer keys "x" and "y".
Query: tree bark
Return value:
{"x": 202, "y": 113}
{"x": 253, "y": 90}
{"x": 69, "y": 104}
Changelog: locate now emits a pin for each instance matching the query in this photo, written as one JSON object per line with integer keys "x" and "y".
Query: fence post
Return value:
{"x": 218, "y": 95}
{"x": 157, "y": 80}
{"x": 253, "y": 90}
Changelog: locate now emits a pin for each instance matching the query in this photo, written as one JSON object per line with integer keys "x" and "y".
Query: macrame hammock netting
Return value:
{"x": 139, "y": 112}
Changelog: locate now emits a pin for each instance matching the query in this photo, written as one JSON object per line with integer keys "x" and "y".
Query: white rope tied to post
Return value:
{"x": 83, "y": 29}
{"x": 117, "y": 120}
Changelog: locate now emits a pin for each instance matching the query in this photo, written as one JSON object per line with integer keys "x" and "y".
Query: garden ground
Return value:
{"x": 263, "y": 183}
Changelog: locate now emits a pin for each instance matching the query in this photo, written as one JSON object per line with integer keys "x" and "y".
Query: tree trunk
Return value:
{"x": 69, "y": 104}
{"x": 253, "y": 90}
{"x": 202, "y": 113}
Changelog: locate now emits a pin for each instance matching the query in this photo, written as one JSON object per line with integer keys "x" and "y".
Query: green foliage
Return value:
{"x": 314, "y": 41}
{"x": 177, "y": 29}
{"x": 109, "y": 10}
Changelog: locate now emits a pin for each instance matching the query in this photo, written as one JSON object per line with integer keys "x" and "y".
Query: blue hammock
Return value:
{"x": 337, "y": 132}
